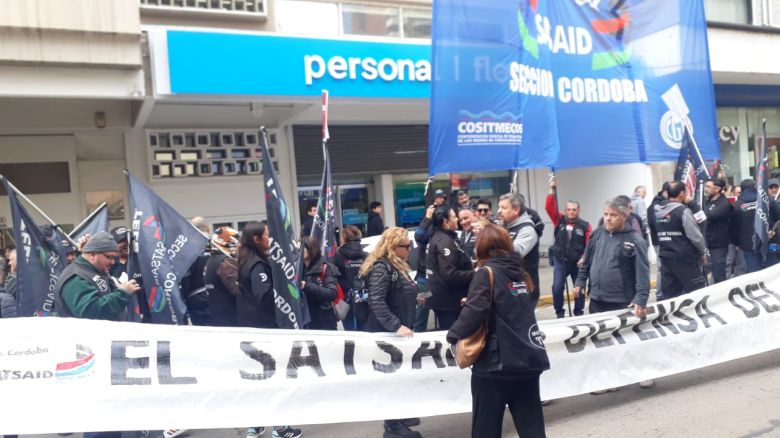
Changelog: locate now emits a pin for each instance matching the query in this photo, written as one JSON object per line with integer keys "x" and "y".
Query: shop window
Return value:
{"x": 185, "y": 154}
{"x": 370, "y": 20}
{"x": 728, "y": 11}
{"x": 307, "y": 17}
{"x": 27, "y": 177}
{"x": 417, "y": 23}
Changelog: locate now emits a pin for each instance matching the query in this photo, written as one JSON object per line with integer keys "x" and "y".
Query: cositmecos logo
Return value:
{"x": 576, "y": 40}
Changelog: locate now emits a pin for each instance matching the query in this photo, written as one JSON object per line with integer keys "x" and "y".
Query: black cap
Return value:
{"x": 773, "y": 182}
{"x": 719, "y": 183}
{"x": 439, "y": 192}
{"x": 119, "y": 234}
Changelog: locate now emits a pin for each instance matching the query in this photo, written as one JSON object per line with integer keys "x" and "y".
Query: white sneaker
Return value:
{"x": 647, "y": 384}
{"x": 254, "y": 432}
{"x": 171, "y": 433}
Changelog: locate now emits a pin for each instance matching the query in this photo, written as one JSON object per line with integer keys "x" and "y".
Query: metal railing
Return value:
{"x": 254, "y": 7}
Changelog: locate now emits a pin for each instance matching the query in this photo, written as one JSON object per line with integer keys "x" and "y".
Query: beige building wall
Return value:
{"x": 103, "y": 33}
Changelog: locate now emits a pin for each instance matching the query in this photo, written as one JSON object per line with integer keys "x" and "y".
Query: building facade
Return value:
{"x": 175, "y": 90}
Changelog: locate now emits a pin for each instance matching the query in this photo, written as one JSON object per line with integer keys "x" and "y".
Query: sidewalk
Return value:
{"x": 546, "y": 280}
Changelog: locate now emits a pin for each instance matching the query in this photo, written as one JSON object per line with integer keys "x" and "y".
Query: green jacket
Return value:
{"x": 84, "y": 300}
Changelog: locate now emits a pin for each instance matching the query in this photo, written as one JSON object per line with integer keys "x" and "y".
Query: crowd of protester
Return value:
{"x": 472, "y": 266}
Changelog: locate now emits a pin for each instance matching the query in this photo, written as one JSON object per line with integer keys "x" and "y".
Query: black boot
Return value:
{"x": 411, "y": 422}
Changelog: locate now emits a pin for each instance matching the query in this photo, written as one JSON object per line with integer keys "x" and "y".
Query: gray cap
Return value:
{"x": 439, "y": 192}
{"x": 101, "y": 242}
{"x": 773, "y": 182}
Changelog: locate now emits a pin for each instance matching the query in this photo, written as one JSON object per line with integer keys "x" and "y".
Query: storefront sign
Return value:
{"x": 253, "y": 64}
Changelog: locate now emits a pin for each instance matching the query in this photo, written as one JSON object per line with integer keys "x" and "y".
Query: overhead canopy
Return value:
{"x": 543, "y": 83}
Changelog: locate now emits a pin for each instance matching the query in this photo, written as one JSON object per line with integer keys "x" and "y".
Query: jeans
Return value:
{"x": 489, "y": 398}
{"x": 102, "y": 434}
{"x": 772, "y": 258}
{"x": 752, "y": 261}
{"x": 659, "y": 294}
{"x": 735, "y": 262}
{"x": 718, "y": 263}
{"x": 561, "y": 272}
{"x": 421, "y": 316}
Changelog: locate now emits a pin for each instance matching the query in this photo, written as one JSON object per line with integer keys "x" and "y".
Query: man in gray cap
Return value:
{"x": 85, "y": 288}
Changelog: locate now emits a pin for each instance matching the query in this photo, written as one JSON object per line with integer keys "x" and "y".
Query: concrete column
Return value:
{"x": 383, "y": 192}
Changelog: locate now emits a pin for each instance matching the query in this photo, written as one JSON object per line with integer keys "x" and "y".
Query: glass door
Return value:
{"x": 353, "y": 205}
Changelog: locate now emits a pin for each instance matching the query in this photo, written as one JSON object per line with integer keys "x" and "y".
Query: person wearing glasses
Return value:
{"x": 85, "y": 288}
{"x": 449, "y": 269}
{"x": 485, "y": 210}
{"x": 391, "y": 302}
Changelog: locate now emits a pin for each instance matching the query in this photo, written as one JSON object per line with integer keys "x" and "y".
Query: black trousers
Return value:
{"x": 681, "y": 277}
{"x": 718, "y": 263}
{"x": 596, "y": 306}
{"x": 533, "y": 272}
{"x": 490, "y": 396}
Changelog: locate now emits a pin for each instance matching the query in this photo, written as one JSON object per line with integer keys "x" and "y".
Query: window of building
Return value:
{"x": 240, "y": 6}
{"x": 370, "y": 20}
{"x": 728, "y": 11}
{"x": 417, "y": 23}
{"x": 27, "y": 177}
{"x": 308, "y": 18}
{"x": 206, "y": 153}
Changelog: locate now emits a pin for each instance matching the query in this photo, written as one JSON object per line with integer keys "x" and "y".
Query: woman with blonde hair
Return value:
{"x": 391, "y": 301}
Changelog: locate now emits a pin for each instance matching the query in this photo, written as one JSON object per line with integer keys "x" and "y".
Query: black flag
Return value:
{"x": 38, "y": 264}
{"x": 164, "y": 246}
{"x": 324, "y": 228}
{"x": 96, "y": 222}
{"x": 291, "y": 310}
{"x": 761, "y": 222}
{"x": 691, "y": 169}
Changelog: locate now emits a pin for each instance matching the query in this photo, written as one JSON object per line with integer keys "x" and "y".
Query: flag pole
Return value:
{"x": 91, "y": 215}
{"x": 45, "y": 216}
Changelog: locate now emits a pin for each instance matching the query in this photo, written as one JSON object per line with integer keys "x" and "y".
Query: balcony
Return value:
{"x": 252, "y": 9}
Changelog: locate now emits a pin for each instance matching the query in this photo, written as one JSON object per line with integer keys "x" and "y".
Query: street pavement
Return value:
{"x": 736, "y": 399}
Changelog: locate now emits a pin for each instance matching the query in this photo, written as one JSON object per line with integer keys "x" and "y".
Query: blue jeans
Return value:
{"x": 561, "y": 272}
{"x": 102, "y": 434}
{"x": 752, "y": 261}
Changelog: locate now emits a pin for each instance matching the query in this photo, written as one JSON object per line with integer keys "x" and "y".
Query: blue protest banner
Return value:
{"x": 542, "y": 83}
{"x": 97, "y": 221}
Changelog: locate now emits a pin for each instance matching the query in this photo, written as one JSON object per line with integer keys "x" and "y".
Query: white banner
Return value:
{"x": 78, "y": 375}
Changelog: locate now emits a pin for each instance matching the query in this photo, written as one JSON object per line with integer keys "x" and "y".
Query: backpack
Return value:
{"x": 340, "y": 305}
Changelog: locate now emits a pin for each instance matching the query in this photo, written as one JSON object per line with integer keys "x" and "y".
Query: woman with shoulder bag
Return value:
{"x": 320, "y": 287}
{"x": 449, "y": 270}
{"x": 391, "y": 300}
{"x": 507, "y": 370}
{"x": 348, "y": 260}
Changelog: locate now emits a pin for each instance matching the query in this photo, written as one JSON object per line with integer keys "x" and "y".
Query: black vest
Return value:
{"x": 469, "y": 242}
{"x": 570, "y": 250}
{"x": 531, "y": 260}
{"x": 102, "y": 282}
{"x": 674, "y": 244}
{"x": 250, "y": 311}
{"x": 221, "y": 303}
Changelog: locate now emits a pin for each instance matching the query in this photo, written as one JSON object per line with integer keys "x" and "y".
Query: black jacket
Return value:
{"x": 221, "y": 281}
{"x": 306, "y": 226}
{"x": 255, "y": 304}
{"x": 514, "y": 342}
{"x": 742, "y": 220}
{"x": 348, "y": 259}
{"x": 719, "y": 214}
{"x": 320, "y": 293}
{"x": 657, "y": 200}
{"x": 375, "y": 225}
{"x": 422, "y": 236}
{"x": 449, "y": 271}
{"x": 391, "y": 299}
